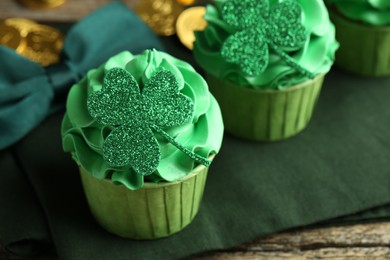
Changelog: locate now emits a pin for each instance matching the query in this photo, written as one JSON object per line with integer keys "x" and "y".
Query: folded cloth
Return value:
{"x": 29, "y": 92}
{"x": 23, "y": 227}
{"x": 338, "y": 167}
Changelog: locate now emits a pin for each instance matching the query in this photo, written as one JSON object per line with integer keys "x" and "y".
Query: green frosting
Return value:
{"x": 370, "y": 12}
{"x": 316, "y": 55}
{"x": 83, "y": 137}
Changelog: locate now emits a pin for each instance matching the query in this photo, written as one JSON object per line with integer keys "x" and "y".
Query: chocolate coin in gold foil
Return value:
{"x": 160, "y": 15}
{"x": 43, "y": 45}
{"x": 24, "y": 26}
{"x": 42, "y": 4}
{"x": 190, "y": 20}
{"x": 10, "y": 37}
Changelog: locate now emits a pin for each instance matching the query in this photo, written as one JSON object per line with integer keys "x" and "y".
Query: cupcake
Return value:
{"x": 143, "y": 129}
{"x": 265, "y": 62}
{"x": 363, "y": 30}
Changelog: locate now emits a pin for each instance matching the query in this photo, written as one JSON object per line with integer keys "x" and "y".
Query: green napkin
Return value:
{"x": 23, "y": 226}
{"x": 335, "y": 171}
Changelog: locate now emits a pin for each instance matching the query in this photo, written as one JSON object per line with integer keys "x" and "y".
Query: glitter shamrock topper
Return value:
{"x": 259, "y": 28}
{"x": 135, "y": 115}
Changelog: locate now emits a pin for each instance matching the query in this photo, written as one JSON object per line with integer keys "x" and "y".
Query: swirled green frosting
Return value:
{"x": 83, "y": 137}
{"x": 370, "y": 12}
{"x": 316, "y": 55}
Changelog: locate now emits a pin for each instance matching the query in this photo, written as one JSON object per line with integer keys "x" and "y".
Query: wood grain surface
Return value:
{"x": 362, "y": 241}
{"x": 71, "y": 11}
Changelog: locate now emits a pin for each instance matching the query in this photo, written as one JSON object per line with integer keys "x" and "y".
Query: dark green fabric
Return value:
{"x": 31, "y": 92}
{"x": 23, "y": 226}
{"x": 339, "y": 166}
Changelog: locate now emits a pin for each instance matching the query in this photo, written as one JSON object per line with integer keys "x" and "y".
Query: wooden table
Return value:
{"x": 362, "y": 241}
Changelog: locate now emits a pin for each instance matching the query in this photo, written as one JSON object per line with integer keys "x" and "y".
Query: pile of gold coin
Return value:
{"x": 40, "y": 43}
{"x": 166, "y": 17}
{"x": 42, "y": 4}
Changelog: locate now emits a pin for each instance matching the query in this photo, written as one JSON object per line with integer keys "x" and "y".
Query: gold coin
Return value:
{"x": 186, "y": 2}
{"x": 190, "y": 20}
{"x": 24, "y": 26}
{"x": 42, "y": 4}
{"x": 10, "y": 37}
{"x": 43, "y": 45}
{"x": 160, "y": 15}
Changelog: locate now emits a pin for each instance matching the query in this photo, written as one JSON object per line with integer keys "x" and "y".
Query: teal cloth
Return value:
{"x": 31, "y": 92}
{"x": 335, "y": 171}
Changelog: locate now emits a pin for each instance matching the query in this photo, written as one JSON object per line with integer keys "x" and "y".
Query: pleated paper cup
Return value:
{"x": 265, "y": 115}
{"x": 364, "y": 50}
{"x": 154, "y": 211}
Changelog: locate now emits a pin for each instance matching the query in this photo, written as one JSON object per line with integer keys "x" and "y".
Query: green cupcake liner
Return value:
{"x": 364, "y": 50}
{"x": 156, "y": 210}
{"x": 265, "y": 115}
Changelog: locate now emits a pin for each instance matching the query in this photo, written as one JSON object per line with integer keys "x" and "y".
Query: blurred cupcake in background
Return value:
{"x": 363, "y": 30}
{"x": 265, "y": 62}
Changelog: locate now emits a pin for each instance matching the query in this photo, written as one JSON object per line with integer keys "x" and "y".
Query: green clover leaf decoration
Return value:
{"x": 258, "y": 29}
{"x": 135, "y": 115}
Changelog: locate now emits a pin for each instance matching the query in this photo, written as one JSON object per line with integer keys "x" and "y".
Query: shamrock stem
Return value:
{"x": 171, "y": 140}
{"x": 290, "y": 61}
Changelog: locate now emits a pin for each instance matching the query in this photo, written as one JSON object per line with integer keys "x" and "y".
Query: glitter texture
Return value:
{"x": 239, "y": 13}
{"x": 238, "y": 49}
{"x": 258, "y": 29}
{"x": 135, "y": 115}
